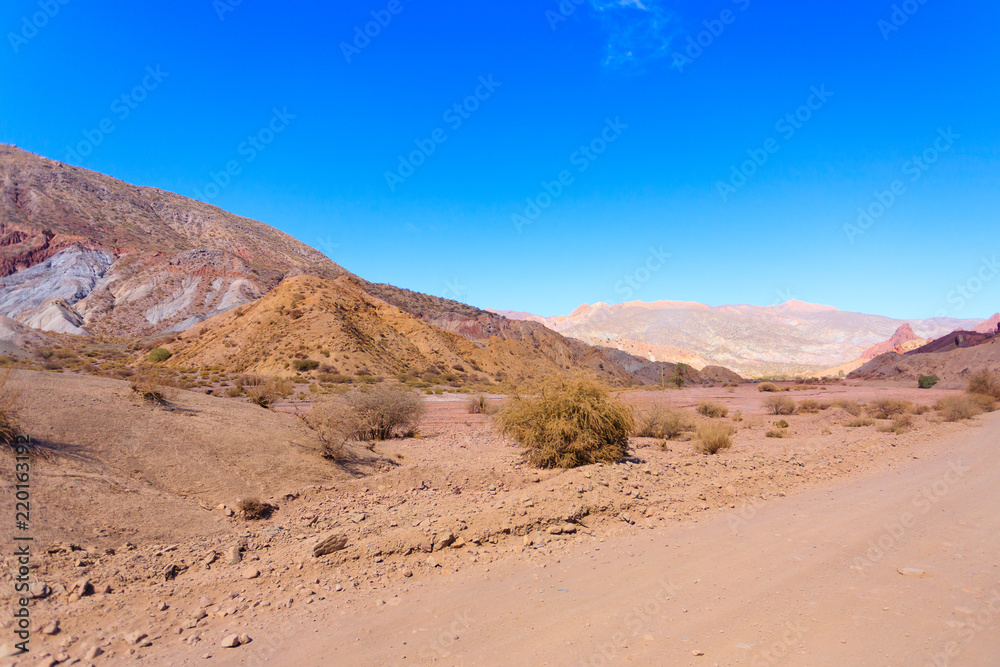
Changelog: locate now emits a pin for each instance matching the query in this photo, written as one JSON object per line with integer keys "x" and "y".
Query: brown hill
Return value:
{"x": 990, "y": 326}
{"x": 950, "y": 363}
{"x": 348, "y": 331}
{"x": 903, "y": 340}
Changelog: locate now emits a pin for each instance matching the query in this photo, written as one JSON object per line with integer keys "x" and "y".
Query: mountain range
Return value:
{"x": 793, "y": 338}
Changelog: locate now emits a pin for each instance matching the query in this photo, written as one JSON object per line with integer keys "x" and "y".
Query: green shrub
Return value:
{"x": 713, "y": 437}
{"x": 568, "y": 423}
{"x": 927, "y": 381}
{"x": 713, "y": 410}
{"x": 159, "y": 354}
{"x": 305, "y": 365}
{"x": 781, "y": 424}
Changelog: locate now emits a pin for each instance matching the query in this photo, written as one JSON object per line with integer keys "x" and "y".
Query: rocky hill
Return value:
{"x": 81, "y": 252}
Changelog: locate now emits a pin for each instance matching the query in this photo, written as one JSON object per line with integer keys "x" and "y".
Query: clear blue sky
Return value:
{"x": 447, "y": 227}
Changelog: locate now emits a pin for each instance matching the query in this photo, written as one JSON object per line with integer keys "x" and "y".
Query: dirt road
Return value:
{"x": 896, "y": 569}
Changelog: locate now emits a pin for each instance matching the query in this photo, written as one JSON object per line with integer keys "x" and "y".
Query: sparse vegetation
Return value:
{"x": 887, "y": 408}
{"x": 478, "y": 405}
{"x": 852, "y": 408}
{"x": 767, "y": 387}
{"x": 159, "y": 354}
{"x": 957, "y": 408}
{"x": 663, "y": 423}
{"x": 900, "y": 425}
{"x": 927, "y": 381}
{"x": 153, "y": 386}
{"x": 569, "y": 423}
{"x": 859, "y": 422}
{"x": 779, "y": 405}
{"x": 334, "y": 424}
{"x": 10, "y": 409}
{"x": 713, "y": 437}
{"x": 712, "y": 410}
{"x": 985, "y": 383}
{"x": 781, "y": 423}
{"x": 265, "y": 391}
{"x": 305, "y": 365}
{"x": 776, "y": 433}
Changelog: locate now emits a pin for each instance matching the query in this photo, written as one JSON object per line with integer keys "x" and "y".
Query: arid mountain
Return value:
{"x": 81, "y": 252}
{"x": 950, "y": 363}
{"x": 990, "y": 326}
{"x": 791, "y": 338}
{"x": 902, "y": 341}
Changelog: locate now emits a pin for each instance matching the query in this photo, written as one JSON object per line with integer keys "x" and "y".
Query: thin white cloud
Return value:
{"x": 638, "y": 30}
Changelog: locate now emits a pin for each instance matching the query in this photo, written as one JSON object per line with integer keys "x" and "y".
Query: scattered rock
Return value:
{"x": 51, "y": 628}
{"x": 444, "y": 541}
{"x": 83, "y": 587}
{"x": 204, "y": 602}
{"x": 233, "y": 555}
{"x": 568, "y": 529}
{"x": 9, "y": 650}
{"x": 426, "y": 546}
{"x": 135, "y": 637}
{"x": 697, "y": 653}
{"x": 251, "y": 573}
{"x": 245, "y": 639}
{"x": 92, "y": 653}
{"x": 555, "y": 530}
{"x": 407, "y": 573}
{"x": 432, "y": 562}
{"x": 232, "y": 641}
{"x": 38, "y": 590}
{"x": 329, "y": 545}
{"x": 912, "y": 572}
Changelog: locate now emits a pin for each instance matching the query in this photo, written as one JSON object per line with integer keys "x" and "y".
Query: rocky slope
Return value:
{"x": 791, "y": 338}
{"x": 952, "y": 358}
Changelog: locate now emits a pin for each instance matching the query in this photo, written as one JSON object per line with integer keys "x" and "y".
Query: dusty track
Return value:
{"x": 790, "y": 581}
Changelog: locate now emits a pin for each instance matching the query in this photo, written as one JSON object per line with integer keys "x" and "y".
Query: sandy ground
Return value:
{"x": 458, "y": 553}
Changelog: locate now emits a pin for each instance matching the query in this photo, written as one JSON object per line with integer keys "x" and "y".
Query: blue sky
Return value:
{"x": 595, "y": 154}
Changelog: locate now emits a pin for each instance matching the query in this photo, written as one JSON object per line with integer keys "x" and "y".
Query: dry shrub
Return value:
{"x": 985, "y": 383}
{"x": 254, "y": 508}
{"x": 478, "y": 405}
{"x": 569, "y": 423}
{"x": 777, "y": 433}
{"x": 887, "y": 408}
{"x": 900, "y": 425}
{"x": 809, "y": 406}
{"x": 333, "y": 423}
{"x": 767, "y": 386}
{"x": 781, "y": 423}
{"x": 714, "y": 436}
{"x": 151, "y": 385}
{"x": 712, "y": 410}
{"x": 663, "y": 423}
{"x": 10, "y": 410}
{"x": 957, "y": 408}
{"x": 987, "y": 403}
{"x": 852, "y": 408}
{"x": 381, "y": 412}
{"x": 779, "y": 405}
{"x": 858, "y": 422}
{"x": 265, "y": 391}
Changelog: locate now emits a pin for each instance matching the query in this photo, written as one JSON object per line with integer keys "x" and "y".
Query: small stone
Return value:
{"x": 39, "y": 589}
{"x": 458, "y": 544}
{"x": 51, "y": 628}
{"x": 407, "y": 573}
{"x": 358, "y": 518}
{"x": 199, "y": 614}
{"x": 233, "y": 555}
{"x": 444, "y": 541}
{"x": 432, "y": 562}
{"x": 232, "y": 641}
{"x": 204, "y": 602}
{"x": 161, "y": 606}
{"x": 135, "y": 637}
{"x": 911, "y": 572}
{"x": 251, "y": 573}
{"x": 697, "y": 652}
{"x": 426, "y": 546}
{"x": 568, "y": 529}
{"x": 245, "y": 639}
{"x": 9, "y": 650}
{"x": 92, "y": 653}
{"x": 555, "y": 530}
{"x": 83, "y": 587}
{"x": 329, "y": 545}
{"x": 338, "y": 588}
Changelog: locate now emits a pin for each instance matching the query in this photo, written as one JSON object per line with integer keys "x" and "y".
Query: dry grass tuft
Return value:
{"x": 712, "y": 410}
{"x": 265, "y": 391}
{"x": 887, "y": 408}
{"x": 777, "y": 433}
{"x": 254, "y": 508}
{"x": 151, "y": 385}
{"x": 957, "y": 408}
{"x": 900, "y": 424}
{"x": 569, "y": 423}
{"x": 767, "y": 386}
{"x": 10, "y": 410}
{"x": 852, "y": 408}
{"x": 663, "y": 423}
{"x": 858, "y": 422}
{"x": 478, "y": 405}
{"x": 779, "y": 405}
{"x": 714, "y": 437}
{"x": 985, "y": 383}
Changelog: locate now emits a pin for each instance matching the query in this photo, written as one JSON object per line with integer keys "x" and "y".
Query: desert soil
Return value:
{"x": 836, "y": 546}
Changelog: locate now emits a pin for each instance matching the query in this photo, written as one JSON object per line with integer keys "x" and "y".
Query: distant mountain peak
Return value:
{"x": 803, "y": 306}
